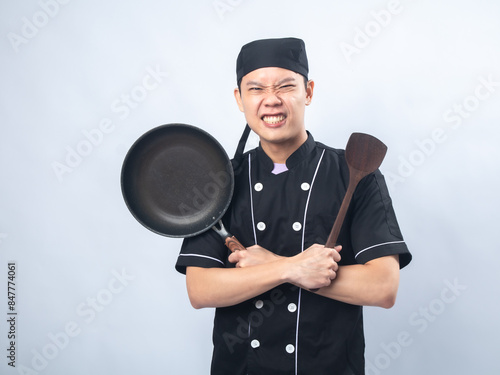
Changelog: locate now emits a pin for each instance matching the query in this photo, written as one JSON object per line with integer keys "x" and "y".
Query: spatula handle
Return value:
{"x": 339, "y": 220}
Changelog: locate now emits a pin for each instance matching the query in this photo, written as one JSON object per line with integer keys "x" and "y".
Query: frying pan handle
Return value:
{"x": 230, "y": 241}
{"x": 233, "y": 244}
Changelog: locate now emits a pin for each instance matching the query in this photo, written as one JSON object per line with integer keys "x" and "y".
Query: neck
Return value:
{"x": 279, "y": 152}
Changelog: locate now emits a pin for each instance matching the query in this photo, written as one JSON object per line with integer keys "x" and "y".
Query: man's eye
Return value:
{"x": 286, "y": 87}
{"x": 255, "y": 89}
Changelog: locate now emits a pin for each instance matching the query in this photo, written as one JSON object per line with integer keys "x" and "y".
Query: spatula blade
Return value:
{"x": 364, "y": 152}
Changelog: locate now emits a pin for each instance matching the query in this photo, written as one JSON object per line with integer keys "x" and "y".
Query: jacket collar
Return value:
{"x": 295, "y": 158}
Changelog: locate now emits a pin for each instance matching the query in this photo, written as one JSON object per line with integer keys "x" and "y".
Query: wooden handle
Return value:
{"x": 364, "y": 154}
{"x": 233, "y": 244}
{"x": 339, "y": 220}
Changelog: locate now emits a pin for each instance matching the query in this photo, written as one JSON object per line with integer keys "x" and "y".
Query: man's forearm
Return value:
{"x": 372, "y": 284}
{"x": 221, "y": 287}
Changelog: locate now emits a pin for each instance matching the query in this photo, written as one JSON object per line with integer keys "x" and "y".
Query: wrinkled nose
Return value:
{"x": 272, "y": 99}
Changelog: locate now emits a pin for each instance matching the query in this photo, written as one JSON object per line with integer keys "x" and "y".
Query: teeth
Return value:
{"x": 273, "y": 119}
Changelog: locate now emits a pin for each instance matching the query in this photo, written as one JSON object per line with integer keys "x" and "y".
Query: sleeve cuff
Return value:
{"x": 385, "y": 249}
{"x": 196, "y": 260}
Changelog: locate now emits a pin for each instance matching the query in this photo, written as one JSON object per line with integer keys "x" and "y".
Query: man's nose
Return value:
{"x": 272, "y": 98}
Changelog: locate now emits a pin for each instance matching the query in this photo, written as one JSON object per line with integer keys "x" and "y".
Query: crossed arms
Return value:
{"x": 258, "y": 270}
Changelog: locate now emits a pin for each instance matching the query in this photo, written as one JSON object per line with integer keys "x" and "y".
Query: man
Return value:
{"x": 287, "y": 194}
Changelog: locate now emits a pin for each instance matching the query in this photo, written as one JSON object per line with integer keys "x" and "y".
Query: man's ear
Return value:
{"x": 309, "y": 92}
{"x": 237, "y": 96}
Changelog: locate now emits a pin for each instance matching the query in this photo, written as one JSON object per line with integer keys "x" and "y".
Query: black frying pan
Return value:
{"x": 178, "y": 181}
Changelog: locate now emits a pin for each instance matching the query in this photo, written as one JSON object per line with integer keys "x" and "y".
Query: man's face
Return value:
{"x": 273, "y": 101}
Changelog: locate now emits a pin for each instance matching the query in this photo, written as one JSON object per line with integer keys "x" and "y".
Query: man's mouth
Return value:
{"x": 273, "y": 120}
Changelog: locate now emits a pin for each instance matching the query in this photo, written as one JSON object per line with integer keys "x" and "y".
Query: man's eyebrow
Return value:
{"x": 254, "y": 83}
{"x": 284, "y": 80}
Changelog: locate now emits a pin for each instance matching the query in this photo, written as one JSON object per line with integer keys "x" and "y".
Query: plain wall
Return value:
{"x": 97, "y": 293}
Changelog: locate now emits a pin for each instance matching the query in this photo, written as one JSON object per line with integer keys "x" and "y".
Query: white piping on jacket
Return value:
{"x": 251, "y": 197}
{"x": 201, "y": 256}
{"x": 380, "y": 244}
{"x": 302, "y": 245}
{"x": 302, "y": 249}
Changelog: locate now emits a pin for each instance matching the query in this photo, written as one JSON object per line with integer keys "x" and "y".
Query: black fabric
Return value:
{"x": 238, "y": 155}
{"x": 287, "y": 53}
{"x": 327, "y": 335}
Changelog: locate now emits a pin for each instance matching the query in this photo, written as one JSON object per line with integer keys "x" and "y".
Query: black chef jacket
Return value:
{"x": 289, "y": 330}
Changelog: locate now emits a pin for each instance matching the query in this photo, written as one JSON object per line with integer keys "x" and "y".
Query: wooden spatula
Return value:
{"x": 364, "y": 154}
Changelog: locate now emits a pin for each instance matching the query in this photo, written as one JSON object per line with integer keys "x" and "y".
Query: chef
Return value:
{"x": 287, "y": 304}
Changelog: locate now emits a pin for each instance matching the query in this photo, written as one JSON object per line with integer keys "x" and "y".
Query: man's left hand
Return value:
{"x": 252, "y": 256}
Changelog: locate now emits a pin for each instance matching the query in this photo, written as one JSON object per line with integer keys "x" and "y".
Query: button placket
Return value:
{"x": 291, "y": 226}
{"x": 258, "y": 187}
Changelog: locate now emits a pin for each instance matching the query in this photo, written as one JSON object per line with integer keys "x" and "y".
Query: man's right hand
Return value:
{"x": 315, "y": 267}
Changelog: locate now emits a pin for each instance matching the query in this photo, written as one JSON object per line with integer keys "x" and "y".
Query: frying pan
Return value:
{"x": 178, "y": 181}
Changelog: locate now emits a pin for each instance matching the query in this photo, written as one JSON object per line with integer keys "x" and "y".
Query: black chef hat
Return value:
{"x": 287, "y": 53}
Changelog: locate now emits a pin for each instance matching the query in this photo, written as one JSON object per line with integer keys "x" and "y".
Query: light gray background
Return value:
{"x": 66, "y": 67}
